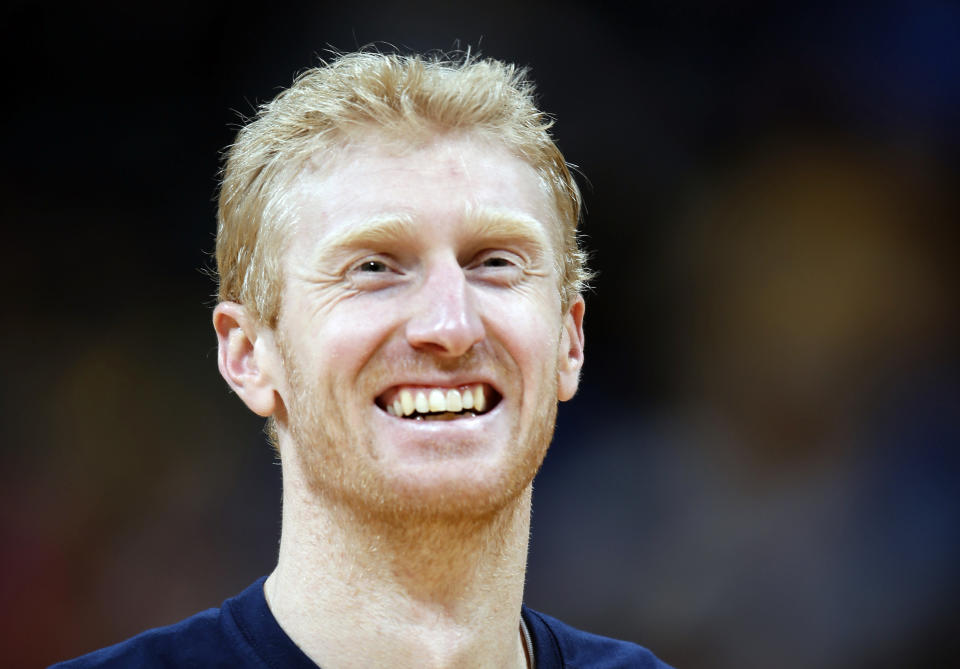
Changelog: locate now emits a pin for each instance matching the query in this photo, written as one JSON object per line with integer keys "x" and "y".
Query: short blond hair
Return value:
{"x": 407, "y": 96}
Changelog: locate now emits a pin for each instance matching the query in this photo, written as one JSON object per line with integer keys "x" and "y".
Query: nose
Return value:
{"x": 445, "y": 321}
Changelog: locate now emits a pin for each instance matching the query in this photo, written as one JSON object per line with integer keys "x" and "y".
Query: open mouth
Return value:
{"x": 438, "y": 403}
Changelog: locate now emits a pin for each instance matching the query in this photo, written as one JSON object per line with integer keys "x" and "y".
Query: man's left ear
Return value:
{"x": 570, "y": 351}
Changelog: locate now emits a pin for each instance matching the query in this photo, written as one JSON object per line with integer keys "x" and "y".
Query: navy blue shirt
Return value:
{"x": 244, "y": 633}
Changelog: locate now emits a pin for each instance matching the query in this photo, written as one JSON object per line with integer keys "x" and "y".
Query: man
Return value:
{"x": 400, "y": 297}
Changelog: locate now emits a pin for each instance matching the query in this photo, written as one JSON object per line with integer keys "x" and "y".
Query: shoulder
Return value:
{"x": 211, "y": 638}
{"x": 189, "y": 642}
{"x": 558, "y": 645}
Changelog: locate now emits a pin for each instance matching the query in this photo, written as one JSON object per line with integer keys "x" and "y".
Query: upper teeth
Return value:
{"x": 438, "y": 400}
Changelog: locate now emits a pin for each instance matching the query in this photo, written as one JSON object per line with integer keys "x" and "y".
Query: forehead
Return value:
{"x": 436, "y": 182}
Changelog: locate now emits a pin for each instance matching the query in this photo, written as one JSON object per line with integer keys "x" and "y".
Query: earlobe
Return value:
{"x": 570, "y": 351}
{"x": 244, "y": 357}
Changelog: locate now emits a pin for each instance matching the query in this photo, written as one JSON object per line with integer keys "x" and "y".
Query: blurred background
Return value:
{"x": 761, "y": 468}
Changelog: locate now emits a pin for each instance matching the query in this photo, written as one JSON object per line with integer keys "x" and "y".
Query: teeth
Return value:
{"x": 421, "y": 404}
{"x": 453, "y": 402}
{"x": 480, "y": 400}
{"x": 436, "y": 401}
{"x": 406, "y": 402}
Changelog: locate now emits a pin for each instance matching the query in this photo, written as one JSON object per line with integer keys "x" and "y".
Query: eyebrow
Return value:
{"x": 488, "y": 224}
{"x": 372, "y": 232}
{"x": 501, "y": 225}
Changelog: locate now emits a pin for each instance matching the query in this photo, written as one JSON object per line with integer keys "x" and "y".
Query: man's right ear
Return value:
{"x": 247, "y": 357}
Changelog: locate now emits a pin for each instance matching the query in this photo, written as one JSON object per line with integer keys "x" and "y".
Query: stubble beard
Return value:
{"x": 340, "y": 469}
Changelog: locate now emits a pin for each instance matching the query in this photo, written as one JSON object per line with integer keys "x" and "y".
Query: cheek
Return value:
{"x": 345, "y": 339}
{"x": 530, "y": 333}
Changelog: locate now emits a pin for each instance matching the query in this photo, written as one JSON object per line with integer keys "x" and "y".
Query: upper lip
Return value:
{"x": 441, "y": 382}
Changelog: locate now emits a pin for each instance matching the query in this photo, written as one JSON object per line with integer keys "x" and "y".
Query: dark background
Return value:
{"x": 760, "y": 469}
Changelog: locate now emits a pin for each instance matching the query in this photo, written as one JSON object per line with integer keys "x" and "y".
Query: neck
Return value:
{"x": 417, "y": 592}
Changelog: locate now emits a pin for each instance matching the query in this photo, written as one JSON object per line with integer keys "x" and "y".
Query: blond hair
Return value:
{"x": 408, "y": 96}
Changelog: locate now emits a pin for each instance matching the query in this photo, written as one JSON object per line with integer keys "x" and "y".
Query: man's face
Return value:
{"x": 418, "y": 282}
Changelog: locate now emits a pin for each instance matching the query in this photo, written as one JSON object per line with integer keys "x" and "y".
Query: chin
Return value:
{"x": 450, "y": 492}
{"x": 403, "y": 489}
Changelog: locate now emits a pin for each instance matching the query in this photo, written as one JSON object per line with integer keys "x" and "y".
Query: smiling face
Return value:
{"x": 421, "y": 334}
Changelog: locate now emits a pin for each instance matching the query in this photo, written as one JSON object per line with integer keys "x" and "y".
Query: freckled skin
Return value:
{"x": 448, "y": 301}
